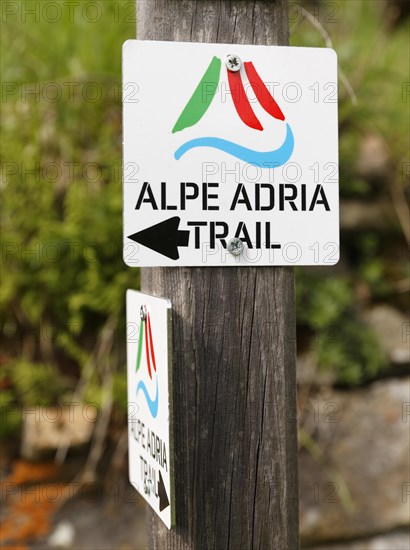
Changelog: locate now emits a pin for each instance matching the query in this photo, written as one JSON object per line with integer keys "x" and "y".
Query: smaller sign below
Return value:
{"x": 150, "y": 440}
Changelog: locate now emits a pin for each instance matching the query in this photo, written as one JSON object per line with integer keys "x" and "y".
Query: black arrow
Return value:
{"x": 162, "y": 493}
{"x": 164, "y": 237}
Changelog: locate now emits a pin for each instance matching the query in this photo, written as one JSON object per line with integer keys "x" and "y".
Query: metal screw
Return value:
{"x": 147, "y": 490}
{"x": 235, "y": 246}
{"x": 143, "y": 313}
{"x": 233, "y": 63}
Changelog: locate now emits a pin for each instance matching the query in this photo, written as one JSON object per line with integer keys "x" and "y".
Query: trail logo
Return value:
{"x": 145, "y": 332}
{"x": 203, "y": 96}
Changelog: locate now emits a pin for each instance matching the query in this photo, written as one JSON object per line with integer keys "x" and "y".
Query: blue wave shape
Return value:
{"x": 262, "y": 159}
{"x": 152, "y": 403}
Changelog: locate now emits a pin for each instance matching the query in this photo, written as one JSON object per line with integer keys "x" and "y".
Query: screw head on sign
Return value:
{"x": 143, "y": 313}
{"x": 233, "y": 63}
{"x": 235, "y": 246}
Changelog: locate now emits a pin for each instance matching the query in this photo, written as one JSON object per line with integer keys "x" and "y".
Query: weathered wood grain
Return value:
{"x": 233, "y": 351}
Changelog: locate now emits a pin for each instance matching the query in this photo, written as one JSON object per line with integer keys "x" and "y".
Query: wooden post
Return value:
{"x": 233, "y": 350}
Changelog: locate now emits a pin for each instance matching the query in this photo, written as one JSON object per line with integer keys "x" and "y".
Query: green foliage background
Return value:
{"x": 371, "y": 40}
{"x": 64, "y": 281}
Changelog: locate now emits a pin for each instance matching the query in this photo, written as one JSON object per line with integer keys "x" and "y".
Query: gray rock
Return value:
{"x": 357, "y": 215}
{"x": 373, "y": 160}
{"x": 393, "y": 331}
{"x": 62, "y": 536}
{"x": 113, "y": 519}
{"x": 308, "y": 373}
{"x": 354, "y": 464}
{"x": 398, "y": 540}
{"x": 45, "y": 429}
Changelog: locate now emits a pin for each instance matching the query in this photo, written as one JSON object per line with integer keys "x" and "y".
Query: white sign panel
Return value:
{"x": 149, "y": 401}
{"x": 230, "y": 155}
